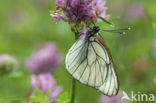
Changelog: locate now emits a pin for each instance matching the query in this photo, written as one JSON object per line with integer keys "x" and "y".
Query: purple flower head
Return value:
{"x": 45, "y": 60}
{"x": 154, "y": 47}
{"x": 46, "y": 82}
{"x": 80, "y": 11}
{"x": 136, "y": 12}
{"x": 115, "y": 99}
{"x": 7, "y": 64}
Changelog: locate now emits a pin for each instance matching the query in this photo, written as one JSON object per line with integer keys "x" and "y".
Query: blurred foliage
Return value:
{"x": 41, "y": 97}
{"x": 64, "y": 98}
{"x": 24, "y": 24}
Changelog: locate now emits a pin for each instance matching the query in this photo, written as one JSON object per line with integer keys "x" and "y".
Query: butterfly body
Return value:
{"x": 90, "y": 62}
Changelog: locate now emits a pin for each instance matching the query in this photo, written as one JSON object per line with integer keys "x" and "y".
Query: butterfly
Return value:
{"x": 90, "y": 62}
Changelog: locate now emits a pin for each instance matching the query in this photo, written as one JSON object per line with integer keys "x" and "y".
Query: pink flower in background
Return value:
{"x": 77, "y": 11}
{"x": 136, "y": 12}
{"x": 154, "y": 47}
{"x": 7, "y": 64}
{"x": 115, "y": 99}
{"x": 46, "y": 82}
{"x": 45, "y": 60}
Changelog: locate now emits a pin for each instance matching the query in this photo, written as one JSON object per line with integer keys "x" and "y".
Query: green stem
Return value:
{"x": 73, "y": 91}
{"x": 74, "y": 81}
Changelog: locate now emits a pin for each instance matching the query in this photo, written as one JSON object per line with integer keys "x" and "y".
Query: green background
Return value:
{"x": 27, "y": 23}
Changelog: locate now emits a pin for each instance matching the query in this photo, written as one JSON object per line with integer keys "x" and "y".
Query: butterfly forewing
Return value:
{"x": 89, "y": 61}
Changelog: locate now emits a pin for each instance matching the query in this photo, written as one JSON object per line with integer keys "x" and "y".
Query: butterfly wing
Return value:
{"x": 89, "y": 62}
{"x": 76, "y": 58}
{"x": 83, "y": 65}
{"x": 111, "y": 84}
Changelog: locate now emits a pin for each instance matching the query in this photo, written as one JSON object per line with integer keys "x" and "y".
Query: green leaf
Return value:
{"x": 47, "y": 96}
{"x": 36, "y": 99}
{"x": 41, "y": 97}
{"x": 106, "y": 21}
{"x": 40, "y": 93}
{"x": 114, "y": 18}
{"x": 51, "y": 11}
{"x": 64, "y": 98}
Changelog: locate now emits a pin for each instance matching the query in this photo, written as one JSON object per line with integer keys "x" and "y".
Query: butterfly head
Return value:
{"x": 96, "y": 29}
{"x": 92, "y": 31}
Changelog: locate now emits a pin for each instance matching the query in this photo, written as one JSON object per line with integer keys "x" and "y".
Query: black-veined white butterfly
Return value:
{"x": 90, "y": 62}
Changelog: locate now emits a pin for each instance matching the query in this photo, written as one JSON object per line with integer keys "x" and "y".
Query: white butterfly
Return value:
{"x": 90, "y": 62}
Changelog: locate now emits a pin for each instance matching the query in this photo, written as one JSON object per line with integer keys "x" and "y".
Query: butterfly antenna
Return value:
{"x": 119, "y": 31}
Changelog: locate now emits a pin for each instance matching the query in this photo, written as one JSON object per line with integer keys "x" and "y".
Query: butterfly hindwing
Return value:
{"x": 89, "y": 62}
{"x": 111, "y": 85}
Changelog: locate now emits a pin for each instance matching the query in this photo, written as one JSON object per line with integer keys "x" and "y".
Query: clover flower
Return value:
{"x": 7, "y": 64}
{"x": 115, "y": 99}
{"x": 45, "y": 60}
{"x": 45, "y": 82}
{"x": 80, "y": 12}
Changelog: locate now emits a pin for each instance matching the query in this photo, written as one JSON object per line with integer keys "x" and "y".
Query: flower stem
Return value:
{"x": 73, "y": 91}
{"x": 74, "y": 81}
